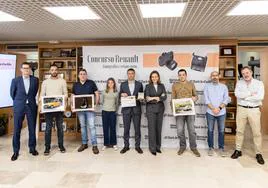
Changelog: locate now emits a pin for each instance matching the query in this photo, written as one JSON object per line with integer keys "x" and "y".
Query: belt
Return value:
{"x": 249, "y": 106}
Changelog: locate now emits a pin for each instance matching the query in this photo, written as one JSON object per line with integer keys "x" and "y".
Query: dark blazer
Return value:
{"x": 19, "y": 96}
{"x": 124, "y": 88}
{"x": 153, "y": 106}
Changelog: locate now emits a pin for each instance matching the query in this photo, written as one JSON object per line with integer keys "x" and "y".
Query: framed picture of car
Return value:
{"x": 52, "y": 104}
{"x": 182, "y": 107}
{"x": 83, "y": 103}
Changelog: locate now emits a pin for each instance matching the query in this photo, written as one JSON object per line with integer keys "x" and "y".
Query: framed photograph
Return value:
{"x": 52, "y": 104}
{"x": 59, "y": 64}
{"x": 46, "y": 54}
{"x": 128, "y": 101}
{"x": 71, "y": 64}
{"x": 229, "y": 73}
{"x": 182, "y": 107}
{"x": 83, "y": 103}
{"x": 47, "y": 65}
{"x": 227, "y": 51}
{"x": 230, "y": 115}
{"x": 43, "y": 126}
{"x": 230, "y": 85}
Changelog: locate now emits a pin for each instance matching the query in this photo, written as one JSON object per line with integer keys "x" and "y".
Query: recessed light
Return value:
{"x": 73, "y": 13}
{"x": 162, "y": 10}
{"x": 5, "y": 17}
{"x": 249, "y": 8}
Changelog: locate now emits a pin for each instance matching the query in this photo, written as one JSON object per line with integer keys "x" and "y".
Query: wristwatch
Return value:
{"x": 220, "y": 107}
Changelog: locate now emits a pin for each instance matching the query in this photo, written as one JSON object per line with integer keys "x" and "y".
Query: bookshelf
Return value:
{"x": 228, "y": 76}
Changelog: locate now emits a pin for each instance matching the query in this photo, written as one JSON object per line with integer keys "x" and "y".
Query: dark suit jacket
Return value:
{"x": 125, "y": 89}
{"x": 19, "y": 96}
{"x": 153, "y": 106}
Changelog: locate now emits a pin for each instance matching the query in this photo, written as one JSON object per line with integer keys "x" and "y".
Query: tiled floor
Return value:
{"x": 111, "y": 169}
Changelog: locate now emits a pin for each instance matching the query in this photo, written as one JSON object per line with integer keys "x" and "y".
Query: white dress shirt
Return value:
{"x": 131, "y": 85}
{"x": 249, "y": 94}
{"x": 26, "y": 82}
{"x": 155, "y": 86}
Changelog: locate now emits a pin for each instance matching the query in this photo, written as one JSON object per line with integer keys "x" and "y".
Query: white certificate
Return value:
{"x": 128, "y": 101}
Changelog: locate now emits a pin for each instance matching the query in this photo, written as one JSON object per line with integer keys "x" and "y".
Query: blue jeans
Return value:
{"x": 211, "y": 122}
{"x": 87, "y": 122}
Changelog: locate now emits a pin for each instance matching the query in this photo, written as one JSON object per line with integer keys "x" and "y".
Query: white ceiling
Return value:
{"x": 122, "y": 19}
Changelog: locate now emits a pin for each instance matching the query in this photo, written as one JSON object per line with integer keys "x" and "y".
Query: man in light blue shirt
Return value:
{"x": 216, "y": 98}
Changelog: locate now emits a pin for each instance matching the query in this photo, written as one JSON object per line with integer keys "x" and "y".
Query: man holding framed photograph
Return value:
{"x": 216, "y": 98}
{"x": 180, "y": 90}
{"x": 249, "y": 93}
{"x": 54, "y": 86}
{"x": 87, "y": 118}
{"x": 131, "y": 87}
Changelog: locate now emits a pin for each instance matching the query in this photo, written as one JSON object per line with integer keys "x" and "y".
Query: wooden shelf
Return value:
{"x": 57, "y": 58}
{"x": 228, "y": 68}
{"x": 230, "y": 121}
{"x": 226, "y": 56}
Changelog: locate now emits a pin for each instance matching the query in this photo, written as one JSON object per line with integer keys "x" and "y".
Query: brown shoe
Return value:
{"x": 82, "y": 147}
{"x": 95, "y": 150}
{"x": 181, "y": 151}
{"x": 196, "y": 152}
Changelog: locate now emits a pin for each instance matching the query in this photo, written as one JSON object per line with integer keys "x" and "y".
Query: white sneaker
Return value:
{"x": 210, "y": 152}
{"x": 222, "y": 153}
{"x": 103, "y": 148}
{"x": 115, "y": 147}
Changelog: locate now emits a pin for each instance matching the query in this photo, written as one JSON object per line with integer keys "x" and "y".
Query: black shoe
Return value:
{"x": 124, "y": 150}
{"x": 14, "y": 156}
{"x": 82, "y": 147}
{"x": 153, "y": 153}
{"x": 95, "y": 150}
{"x": 236, "y": 154}
{"x": 47, "y": 151}
{"x": 139, "y": 150}
{"x": 34, "y": 152}
{"x": 62, "y": 149}
{"x": 158, "y": 151}
{"x": 259, "y": 159}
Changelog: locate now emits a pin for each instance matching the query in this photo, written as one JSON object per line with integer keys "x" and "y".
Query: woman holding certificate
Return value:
{"x": 110, "y": 103}
{"x": 155, "y": 94}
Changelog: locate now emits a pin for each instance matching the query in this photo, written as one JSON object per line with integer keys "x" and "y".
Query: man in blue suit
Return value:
{"x": 23, "y": 91}
{"x": 131, "y": 87}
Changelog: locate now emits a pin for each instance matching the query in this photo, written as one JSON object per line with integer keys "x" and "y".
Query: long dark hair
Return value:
{"x": 107, "y": 87}
{"x": 150, "y": 78}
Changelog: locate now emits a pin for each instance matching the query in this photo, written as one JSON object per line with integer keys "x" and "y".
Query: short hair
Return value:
{"x": 182, "y": 70}
{"x": 53, "y": 65}
{"x": 25, "y": 63}
{"x": 246, "y": 67}
{"x": 131, "y": 69}
{"x": 82, "y": 70}
{"x": 215, "y": 72}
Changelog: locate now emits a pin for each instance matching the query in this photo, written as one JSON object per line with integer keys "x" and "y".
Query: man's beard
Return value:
{"x": 54, "y": 75}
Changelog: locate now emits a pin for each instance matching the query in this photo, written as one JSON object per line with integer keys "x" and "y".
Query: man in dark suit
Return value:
{"x": 131, "y": 88}
{"x": 23, "y": 91}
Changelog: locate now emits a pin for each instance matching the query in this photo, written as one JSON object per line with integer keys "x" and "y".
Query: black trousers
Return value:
{"x": 127, "y": 117}
{"x": 49, "y": 124}
{"x": 155, "y": 120}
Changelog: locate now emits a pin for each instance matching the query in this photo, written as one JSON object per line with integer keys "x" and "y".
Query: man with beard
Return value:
{"x": 216, "y": 98}
{"x": 249, "y": 93}
{"x": 51, "y": 87}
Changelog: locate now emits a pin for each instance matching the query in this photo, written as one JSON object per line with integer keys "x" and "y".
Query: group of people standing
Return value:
{"x": 249, "y": 92}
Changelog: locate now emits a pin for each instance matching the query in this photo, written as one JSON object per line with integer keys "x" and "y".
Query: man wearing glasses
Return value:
{"x": 23, "y": 91}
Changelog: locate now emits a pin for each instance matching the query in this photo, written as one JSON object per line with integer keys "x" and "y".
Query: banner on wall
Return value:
{"x": 102, "y": 62}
